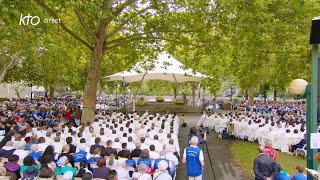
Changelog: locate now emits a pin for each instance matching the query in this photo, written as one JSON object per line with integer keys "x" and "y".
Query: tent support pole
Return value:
{"x": 175, "y": 79}
{"x": 134, "y": 97}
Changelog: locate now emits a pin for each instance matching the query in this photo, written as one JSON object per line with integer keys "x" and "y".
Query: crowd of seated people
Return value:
{"x": 284, "y": 126}
{"x": 113, "y": 146}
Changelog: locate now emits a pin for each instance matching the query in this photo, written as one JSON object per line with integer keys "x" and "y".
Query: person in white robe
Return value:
{"x": 202, "y": 119}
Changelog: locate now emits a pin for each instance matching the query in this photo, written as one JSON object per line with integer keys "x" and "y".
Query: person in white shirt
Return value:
{"x": 157, "y": 144}
{"x": 21, "y": 152}
{"x": 117, "y": 145}
{"x": 57, "y": 145}
{"x": 171, "y": 157}
{"x": 130, "y": 134}
{"x": 42, "y": 144}
{"x": 202, "y": 119}
{"x": 130, "y": 145}
{"x": 153, "y": 154}
{"x": 124, "y": 138}
{"x": 48, "y": 138}
{"x": 142, "y": 173}
{"x": 123, "y": 174}
{"x": 148, "y": 140}
{"x": 143, "y": 144}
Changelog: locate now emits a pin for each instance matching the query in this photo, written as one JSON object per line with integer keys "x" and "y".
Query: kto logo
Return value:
{"x": 25, "y": 20}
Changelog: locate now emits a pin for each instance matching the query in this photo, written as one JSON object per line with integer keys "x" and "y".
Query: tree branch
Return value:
{"x": 116, "y": 41}
{"x": 117, "y": 29}
{"x": 84, "y": 24}
{"x": 108, "y": 3}
{"x": 8, "y": 66}
{"x": 145, "y": 38}
{"x": 122, "y": 7}
{"x": 63, "y": 26}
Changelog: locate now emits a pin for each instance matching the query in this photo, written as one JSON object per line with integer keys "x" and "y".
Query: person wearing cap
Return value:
{"x": 63, "y": 166}
{"x": 30, "y": 173}
{"x": 193, "y": 156}
{"x": 162, "y": 173}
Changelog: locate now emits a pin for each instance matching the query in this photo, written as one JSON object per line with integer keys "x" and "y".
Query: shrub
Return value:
{"x": 179, "y": 101}
{"x": 159, "y": 99}
{"x": 141, "y": 102}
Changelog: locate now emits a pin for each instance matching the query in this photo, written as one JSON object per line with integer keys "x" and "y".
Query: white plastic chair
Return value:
{"x": 301, "y": 151}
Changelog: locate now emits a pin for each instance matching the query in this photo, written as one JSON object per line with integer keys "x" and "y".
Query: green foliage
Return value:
{"x": 179, "y": 101}
{"x": 159, "y": 99}
{"x": 245, "y": 42}
{"x": 142, "y": 102}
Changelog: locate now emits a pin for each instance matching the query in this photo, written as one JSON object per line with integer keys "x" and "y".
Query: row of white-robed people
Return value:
{"x": 283, "y": 131}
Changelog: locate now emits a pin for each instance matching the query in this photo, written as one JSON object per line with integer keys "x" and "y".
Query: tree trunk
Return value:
{"x": 275, "y": 95}
{"x": 251, "y": 94}
{"x": 90, "y": 91}
{"x": 17, "y": 92}
{"x": 51, "y": 94}
{"x": 5, "y": 68}
{"x": 193, "y": 88}
{"x": 246, "y": 95}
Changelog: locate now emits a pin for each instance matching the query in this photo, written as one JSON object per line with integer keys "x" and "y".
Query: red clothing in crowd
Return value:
{"x": 68, "y": 115}
{"x": 271, "y": 152}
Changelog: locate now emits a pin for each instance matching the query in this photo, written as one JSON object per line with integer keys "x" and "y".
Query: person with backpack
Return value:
{"x": 265, "y": 167}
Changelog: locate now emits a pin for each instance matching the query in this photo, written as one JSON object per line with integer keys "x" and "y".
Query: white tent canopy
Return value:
{"x": 165, "y": 68}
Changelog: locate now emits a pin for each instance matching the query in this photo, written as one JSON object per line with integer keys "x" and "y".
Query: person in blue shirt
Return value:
{"x": 34, "y": 152}
{"x": 131, "y": 163}
{"x": 283, "y": 175}
{"x": 299, "y": 145}
{"x": 193, "y": 157}
{"x": 28, "y": 140}
{"x": 81, "y": 155}
{"x": 162, "y": 157}
{"x": 145, "y": 158}
{"x": 299, "y": 175}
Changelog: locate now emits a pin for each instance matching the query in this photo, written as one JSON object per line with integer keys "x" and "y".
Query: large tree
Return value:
{"x": 108, "y": 28}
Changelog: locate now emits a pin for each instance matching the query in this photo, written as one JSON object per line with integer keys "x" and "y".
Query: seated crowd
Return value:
{"x": 114, "y": 146}
{"x": 285, "y": 127}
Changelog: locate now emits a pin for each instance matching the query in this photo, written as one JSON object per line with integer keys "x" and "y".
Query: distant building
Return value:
{"x": 20, "y": 90}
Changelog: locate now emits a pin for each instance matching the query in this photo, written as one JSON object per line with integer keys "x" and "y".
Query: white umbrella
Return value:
{"x": 165, "y": 68}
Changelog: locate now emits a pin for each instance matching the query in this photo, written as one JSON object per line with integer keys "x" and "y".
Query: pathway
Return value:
{"x": 223, "y": 167}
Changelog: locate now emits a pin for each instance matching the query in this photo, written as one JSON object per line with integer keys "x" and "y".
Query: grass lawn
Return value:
{"x": 244, "y": 154}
